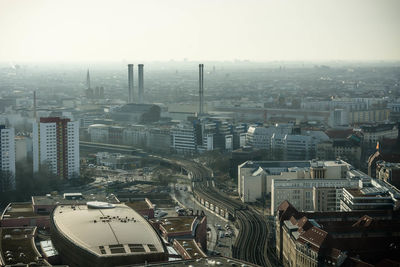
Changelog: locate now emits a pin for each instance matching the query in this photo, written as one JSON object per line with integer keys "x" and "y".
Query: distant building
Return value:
{"x": 377, "y": 132}
{"x": 185, "y": 138}
{"x": 56, "y": 144}
{"x": 136, "y": 113}
{"x": 99, "y": 133}
{"x": 7, "y": 158}
{"x": 23, "y": 148}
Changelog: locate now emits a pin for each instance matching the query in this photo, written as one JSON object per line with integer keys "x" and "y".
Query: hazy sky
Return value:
{"x": 146, "y": 30}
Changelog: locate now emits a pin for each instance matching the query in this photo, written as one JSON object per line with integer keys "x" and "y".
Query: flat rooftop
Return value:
{"x": 178, "y": 224}
{"x": 19, "y": 210}
{"x": 368, "y": 192}
{"x": 17, "y": 245}
{"x": 139, "y": 204}
{"x": 107, "y": 231}
{"x": 191, "y": 248}
{"x": 72, "y": 198}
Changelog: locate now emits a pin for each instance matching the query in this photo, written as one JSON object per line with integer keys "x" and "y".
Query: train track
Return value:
{"x": 251, "y": 243}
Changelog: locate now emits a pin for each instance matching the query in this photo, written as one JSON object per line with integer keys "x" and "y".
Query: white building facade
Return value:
{"x": 56, "y": 144}
{"x": 7, "y": 155}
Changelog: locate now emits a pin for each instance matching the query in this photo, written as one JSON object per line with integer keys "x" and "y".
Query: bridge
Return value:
{"x": 112, "y": 148}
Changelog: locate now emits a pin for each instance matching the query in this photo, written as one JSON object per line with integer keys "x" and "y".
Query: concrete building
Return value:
{"x": 99, "y": 133}
{"x": 103, "y": 234}
{"x": 136, "y": 113}
{"x": 376, "y": 194}
{"x": 185, "y": 227}
{"x": 18, "y": 247}
{"x": 388, "y": 172}
{"x": 311, "y": 194}
{"x": 159, "y": 139}
{"x": 188, "y": 249}
{"x": 369, "y": 115}
{"x": 7, "y": 158}
{"x": 255, "y": 177}
{"x": 375, "y": 133}
{"x": 363, "y": 238}
{"x": 185, "y": 138}
{"x": 56, "y": 144}
{"x": 23, "y": 148}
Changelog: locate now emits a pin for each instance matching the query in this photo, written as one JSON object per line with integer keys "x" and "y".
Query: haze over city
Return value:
{"x": 100, "y": 30}
{"x": 200, "y": 133}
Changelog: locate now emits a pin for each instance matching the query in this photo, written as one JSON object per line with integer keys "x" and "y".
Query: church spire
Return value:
{"x": 88, "y": 79}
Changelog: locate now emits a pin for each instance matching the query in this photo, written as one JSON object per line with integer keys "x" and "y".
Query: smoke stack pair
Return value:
{"x": 130, "y": 83}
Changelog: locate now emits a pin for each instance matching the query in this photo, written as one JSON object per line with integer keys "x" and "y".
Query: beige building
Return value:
{"x": 255, "y": 177}
{"x": 369, "y": 115}
{"x": 310, "y": 194}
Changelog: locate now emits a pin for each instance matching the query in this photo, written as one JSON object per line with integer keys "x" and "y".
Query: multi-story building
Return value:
{"x": 388, "y": 172}
{"x": 358, "y": 238}
{"x": 255, "y": 177}
{"x": 185, "y": 139}
{"x": 375, "y": 133}
{"x": 99, "y": 133}
{"x": 7, "y": 158}
{"x": 376, "y": 194}
{"x": 56, "y": 144}
{"x": 311, "y": 194}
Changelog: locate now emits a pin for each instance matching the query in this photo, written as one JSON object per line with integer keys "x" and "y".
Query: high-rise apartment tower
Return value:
{"x": 56, "y": 144}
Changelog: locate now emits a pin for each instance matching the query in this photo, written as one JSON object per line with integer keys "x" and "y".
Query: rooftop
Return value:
{"x": 140, "y": 204}
{"x": 123, "y": 230}
{"x": 178, "y": 224}
{"x": 368, "y": 192}
{"x": 18, "y": 210}
{"x": 72, "y": 198}
{"x": 17, "y": 245}
{"x": 191, "y": 248}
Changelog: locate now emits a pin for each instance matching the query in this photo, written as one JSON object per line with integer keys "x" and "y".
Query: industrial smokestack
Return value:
{"x": 34, "y": 104}
{"x": 141, "y": 84}
{"x": 130, "y": 83}
{"x": 201, "y": 89}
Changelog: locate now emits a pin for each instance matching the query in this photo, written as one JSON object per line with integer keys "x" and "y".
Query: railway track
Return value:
{"x": 251, "y": 243}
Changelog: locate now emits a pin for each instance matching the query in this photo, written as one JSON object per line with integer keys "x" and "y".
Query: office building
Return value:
{"x": 255, "y": 177}
{"x": 7, "y": 158}
{"x": 56, "y": 145}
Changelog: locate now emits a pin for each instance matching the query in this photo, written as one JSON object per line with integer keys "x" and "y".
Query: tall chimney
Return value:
{"x": 34, "y": 105}
{"x": 130, "y": 83}
{"x": 201, "y": 89}
{"x": 141, "y": 84}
